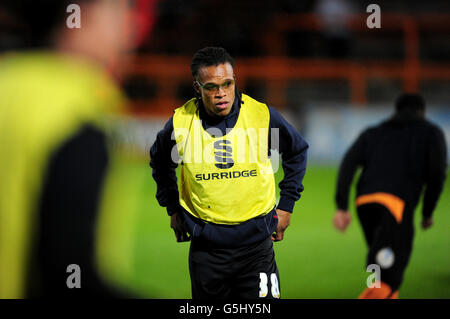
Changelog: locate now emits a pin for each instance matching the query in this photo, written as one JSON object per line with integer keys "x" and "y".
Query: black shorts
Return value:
{"x": 390, "y": 243}
{"x": 247, "y": 272}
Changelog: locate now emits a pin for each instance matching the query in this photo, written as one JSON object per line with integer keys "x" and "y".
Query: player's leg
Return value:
{"x": 390, "y": 249}
{"x": 380, "y": 253}
{"x": 255, "y": 272}
{"x": 209, "y": 270}
{"x": 370, "y": 217}
{"x": 401, "y": 247}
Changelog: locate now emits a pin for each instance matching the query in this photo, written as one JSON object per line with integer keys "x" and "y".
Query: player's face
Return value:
{"x": 216, "y": 84}
{"x": 103, "y": 30}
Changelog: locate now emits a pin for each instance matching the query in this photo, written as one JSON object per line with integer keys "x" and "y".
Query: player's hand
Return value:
{"x": 427, "y": 223}
{"x": 177, "y": 224}
{"x": 342, "y": 219}
{"x": 284, "y": 219}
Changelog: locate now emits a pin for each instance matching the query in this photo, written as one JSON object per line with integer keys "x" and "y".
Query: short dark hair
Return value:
{"x": 209, "y": 56}
{"x": 410, "y": 102}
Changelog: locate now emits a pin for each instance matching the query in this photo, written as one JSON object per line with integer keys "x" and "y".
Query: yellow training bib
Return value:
{"x": 45, "y": 99}
{"x": 225, "y": 179}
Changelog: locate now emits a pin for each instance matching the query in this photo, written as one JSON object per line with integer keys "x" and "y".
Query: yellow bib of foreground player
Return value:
{"x": 44, "y": 99}
{"x": 225, "y": 179}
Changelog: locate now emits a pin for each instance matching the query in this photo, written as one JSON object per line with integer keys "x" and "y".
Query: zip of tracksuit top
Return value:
{"x": 293, "y": 150}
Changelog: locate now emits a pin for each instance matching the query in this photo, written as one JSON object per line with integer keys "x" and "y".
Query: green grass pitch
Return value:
{"x": 314, "y": 260}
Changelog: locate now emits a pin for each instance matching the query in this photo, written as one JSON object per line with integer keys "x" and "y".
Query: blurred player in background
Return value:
{"x": 55, "y": 95}
{"x": 227, "y": 205}
{"x": 399, "y": 158}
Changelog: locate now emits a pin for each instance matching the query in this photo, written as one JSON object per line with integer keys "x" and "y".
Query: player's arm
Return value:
{"x": 293, "y": 149}
{"x": 164, "y": 169}
{"x": 164, "y": 161}
{"x": 436, "y": 173}
{"x": 352, "y": 159}
{"x": 68, "y": 214}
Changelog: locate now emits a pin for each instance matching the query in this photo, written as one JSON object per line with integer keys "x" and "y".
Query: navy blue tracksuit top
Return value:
{"x": 293, "y": 150}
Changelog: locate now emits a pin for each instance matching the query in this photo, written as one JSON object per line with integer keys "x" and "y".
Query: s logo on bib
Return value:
{"x": 223, "y": 154}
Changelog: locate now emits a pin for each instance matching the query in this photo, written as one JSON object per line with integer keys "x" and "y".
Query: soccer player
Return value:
{"x": 399, "y": 158}
{"x": 55, "y": 93}
{"x": 225, "y": 199}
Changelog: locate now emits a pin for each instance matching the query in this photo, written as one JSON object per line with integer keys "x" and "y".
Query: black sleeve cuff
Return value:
{"x": 286, "y": 204}
{"x": 174, "y": 208}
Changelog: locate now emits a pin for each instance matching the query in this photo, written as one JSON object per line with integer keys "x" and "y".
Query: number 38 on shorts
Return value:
{"x": 263, "y": 288}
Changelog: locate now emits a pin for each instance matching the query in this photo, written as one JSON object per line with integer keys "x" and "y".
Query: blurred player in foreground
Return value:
{"x": 55, "y": 96}
{"x": 399, "y": 158}
{"x": 226, "y": 201}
